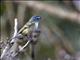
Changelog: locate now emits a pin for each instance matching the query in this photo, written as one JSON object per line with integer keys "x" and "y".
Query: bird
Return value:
{"x": 33, "y": 23}
{"x": 31, "y": 30}
{"x": 26, "y": 30}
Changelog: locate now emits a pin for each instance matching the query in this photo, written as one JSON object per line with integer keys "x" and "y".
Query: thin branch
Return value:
{"x": 21, "y": 48}
{"x": 15, "y": 29}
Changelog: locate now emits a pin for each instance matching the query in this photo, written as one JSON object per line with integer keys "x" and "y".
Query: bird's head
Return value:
{"x": 36, "y": 18}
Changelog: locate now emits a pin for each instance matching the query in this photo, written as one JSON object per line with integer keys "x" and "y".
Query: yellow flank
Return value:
{"x": 25, "y": 26}
{"x": 26, "y": 31}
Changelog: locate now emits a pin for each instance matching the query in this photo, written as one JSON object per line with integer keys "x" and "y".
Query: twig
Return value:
{"x": 21, "y": 48}
{"x": 15, "y": 27}
{"x": 15, "y": 30}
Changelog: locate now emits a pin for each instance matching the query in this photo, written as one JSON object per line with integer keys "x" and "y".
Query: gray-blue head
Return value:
{"x": 36, "y": 18}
